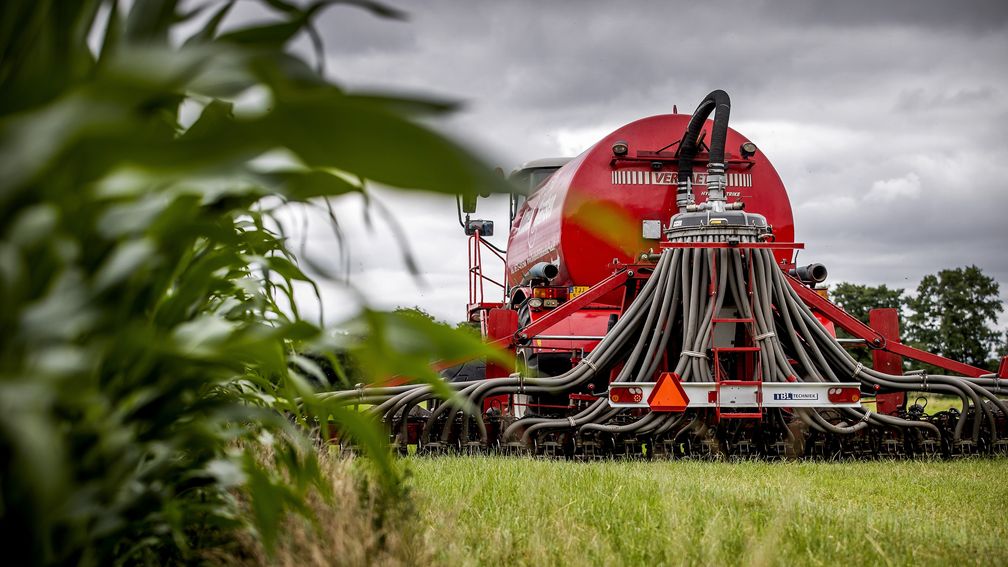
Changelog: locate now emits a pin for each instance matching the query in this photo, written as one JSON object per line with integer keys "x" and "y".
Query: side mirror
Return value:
{"x": 485, "y": 227}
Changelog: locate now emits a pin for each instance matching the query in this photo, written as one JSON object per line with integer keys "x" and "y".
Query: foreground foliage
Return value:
{"x": 150, "y": 345}
{"x": 492, "y": 511}
{"x": 359, "y": 523}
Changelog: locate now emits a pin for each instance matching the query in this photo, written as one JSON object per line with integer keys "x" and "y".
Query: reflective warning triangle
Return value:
{"x": 668, "y": 394}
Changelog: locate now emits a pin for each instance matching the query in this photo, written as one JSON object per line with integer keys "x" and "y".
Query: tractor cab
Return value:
{"x": 529, "y": 177}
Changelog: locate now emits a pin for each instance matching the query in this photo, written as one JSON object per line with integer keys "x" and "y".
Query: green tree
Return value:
{"x": 858, "y": 300}
{"x": 471, "y": 327}
{"x": 952, "y": 315}
{"x": 416, "y": 312}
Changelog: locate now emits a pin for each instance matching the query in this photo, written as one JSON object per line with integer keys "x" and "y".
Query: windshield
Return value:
{"x": 528, "y": 180}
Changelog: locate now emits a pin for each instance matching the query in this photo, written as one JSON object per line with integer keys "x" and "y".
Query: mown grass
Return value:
{"x": 483, "y": 511}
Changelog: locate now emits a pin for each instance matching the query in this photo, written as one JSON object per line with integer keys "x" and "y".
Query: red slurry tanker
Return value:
{"x": 651, "y": 297}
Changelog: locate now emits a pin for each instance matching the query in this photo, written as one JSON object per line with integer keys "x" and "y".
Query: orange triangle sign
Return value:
{"x": 668, "y": 394}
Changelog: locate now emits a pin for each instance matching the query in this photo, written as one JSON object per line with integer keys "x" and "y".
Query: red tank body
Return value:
{"x": 546, "y": 230}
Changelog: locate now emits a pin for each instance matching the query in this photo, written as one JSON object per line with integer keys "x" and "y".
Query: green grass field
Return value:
{"x": 487, "y": 510}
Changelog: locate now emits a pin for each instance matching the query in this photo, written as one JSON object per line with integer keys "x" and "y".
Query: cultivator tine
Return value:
{"x": 516, "y": 449}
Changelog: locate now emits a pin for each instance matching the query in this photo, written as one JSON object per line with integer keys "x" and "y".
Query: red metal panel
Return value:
{"x": 886, "y": 322}
{"x": 844, "y": 395}
{"x": 501, "y": 324}
{"x": 565, "y": 310}
{"x": 591, "y": 321}
{"x": 632, "y": 394}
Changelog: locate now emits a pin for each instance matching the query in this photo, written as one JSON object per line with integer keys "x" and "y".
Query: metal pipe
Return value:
{"x": 810, "y": 274}
{"x": 541, "y": 271}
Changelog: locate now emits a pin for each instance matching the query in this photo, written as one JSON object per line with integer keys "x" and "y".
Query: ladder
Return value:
{"x": 746, "y": 357}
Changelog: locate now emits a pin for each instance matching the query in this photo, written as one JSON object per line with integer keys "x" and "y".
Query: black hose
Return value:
{"x": 719, "y": 103}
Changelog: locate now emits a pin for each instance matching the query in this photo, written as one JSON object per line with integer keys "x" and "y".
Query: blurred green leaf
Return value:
{"x": 398, "y": 346}
{"x": 282, "y": 6}
{"x": 209, "y": 30}
{"x": 416, "y": 106}
{"x": 151, "y": 366}
{"x": 362, "y": 136}
{"x": 149, "y": 21}
{"x": 113, "y": 34}
{"x": 304, "y": 185}
{"x": 270, "y": 35}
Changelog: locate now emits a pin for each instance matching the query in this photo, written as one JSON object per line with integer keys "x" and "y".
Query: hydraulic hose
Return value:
{"x": 719, "y": 103}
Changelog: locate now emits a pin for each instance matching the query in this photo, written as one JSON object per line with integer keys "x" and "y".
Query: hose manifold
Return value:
{"x": 684, "y": 194}
{"x": 717, "y": 182}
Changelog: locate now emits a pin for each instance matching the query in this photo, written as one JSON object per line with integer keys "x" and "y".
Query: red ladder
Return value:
{"x": 747, "y": 359}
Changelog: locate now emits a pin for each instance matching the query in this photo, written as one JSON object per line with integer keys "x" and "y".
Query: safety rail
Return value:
{"x": 476, "y": 275}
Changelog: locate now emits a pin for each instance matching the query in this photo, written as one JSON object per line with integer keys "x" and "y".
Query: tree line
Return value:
{"x": 952, "y": 313}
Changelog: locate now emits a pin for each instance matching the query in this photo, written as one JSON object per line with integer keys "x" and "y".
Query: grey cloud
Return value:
{"x": 917, "y": 99}
{"x": 348, "y": 29}
{"x": 847, "y": 99}
{"x": 974, "y": 16}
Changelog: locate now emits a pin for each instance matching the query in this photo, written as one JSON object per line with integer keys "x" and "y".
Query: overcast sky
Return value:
{"x": 886, "y": 120}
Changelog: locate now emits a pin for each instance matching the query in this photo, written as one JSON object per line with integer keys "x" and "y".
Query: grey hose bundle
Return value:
{"x": 672, "y": 321}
